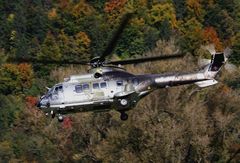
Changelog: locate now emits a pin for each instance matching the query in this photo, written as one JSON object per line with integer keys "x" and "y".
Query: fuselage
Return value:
{"x": 88, "y": 93}
{"x": 107, "y": 87}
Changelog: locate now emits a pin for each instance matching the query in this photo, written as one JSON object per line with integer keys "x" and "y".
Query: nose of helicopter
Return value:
{"x": 38, "y": 104}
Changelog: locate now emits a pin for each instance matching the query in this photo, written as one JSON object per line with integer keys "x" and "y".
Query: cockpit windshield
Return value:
{"x": 55, "y": 90}
{"x": 50, "y": 91}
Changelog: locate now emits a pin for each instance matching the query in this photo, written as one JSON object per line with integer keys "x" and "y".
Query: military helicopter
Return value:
{"x": 108, "y": 86}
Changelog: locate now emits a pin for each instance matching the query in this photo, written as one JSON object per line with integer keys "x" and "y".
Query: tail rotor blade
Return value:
{"x": 230, "y": 67}
{"x": 227, "y": 52}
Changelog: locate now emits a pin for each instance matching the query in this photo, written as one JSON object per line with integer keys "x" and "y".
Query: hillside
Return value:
{"x": 180, "y": 124}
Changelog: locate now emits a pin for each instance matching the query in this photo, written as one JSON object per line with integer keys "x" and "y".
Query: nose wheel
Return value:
{"x": 53, "y": 114}
{"x": 123, "y": 116}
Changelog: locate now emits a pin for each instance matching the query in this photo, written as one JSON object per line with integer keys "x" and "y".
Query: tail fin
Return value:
{"x": 217, "y": 61}
{"x": 215, "y": 65}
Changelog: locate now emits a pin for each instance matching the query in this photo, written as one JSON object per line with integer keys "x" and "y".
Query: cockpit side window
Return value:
{"x": 78, "y": 88}
{"x": 85, "y": 87}
{"x": 56, "y": 90}
{"x": 60, "y": 88}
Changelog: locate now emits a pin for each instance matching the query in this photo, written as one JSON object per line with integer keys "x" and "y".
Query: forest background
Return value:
{"x": 181, "y": 124}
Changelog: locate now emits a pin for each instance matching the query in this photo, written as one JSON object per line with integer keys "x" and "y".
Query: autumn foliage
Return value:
{"x": 180, "y": 124}
{"x": 15, "y": 78}
{"x": 114, "y": 5}
{"x": 211, "y": 37}
{"x": 31, "y": 101}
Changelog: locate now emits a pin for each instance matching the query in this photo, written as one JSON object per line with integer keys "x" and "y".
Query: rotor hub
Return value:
{"x": 97, "y": 62}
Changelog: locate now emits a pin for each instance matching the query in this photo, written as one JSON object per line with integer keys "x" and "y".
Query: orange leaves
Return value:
{"x": 82, "y": 8}
{"x": 194, "y": 6}
{"x": 31, "y": 101}
{"x": 74, "y": 47}
{"x": 114, "y": 5}
{"x": 83, "y": 39}
{"x": 211, "y": 36}
{"x": 26, "y": 74}
{"x": 52, "y": 14}
{"x": 15, "y": 77}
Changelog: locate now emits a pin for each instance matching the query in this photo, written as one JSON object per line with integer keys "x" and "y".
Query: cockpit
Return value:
{"x": 55, "y": 89}
{"x": 52, "y": 93}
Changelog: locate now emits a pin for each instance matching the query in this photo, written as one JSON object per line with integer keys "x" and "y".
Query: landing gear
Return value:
{"x": 123, "y": 116}
{"x": 124, "y": 102}
{"x": 53, "y": 114}
{"x": 60, "y": 118}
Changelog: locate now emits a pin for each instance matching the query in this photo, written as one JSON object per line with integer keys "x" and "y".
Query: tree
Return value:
{"x": 191, "y": 34}
{"x": 15, "y": 78}
{"x": 75, "y": 47}
{"x": 181, "y": 9}
{"x": 114, "y": 5}
{"x": 195, "y": 9}
{"x": 162, "y": 12}
{"x": 49, "y": 49}
{"x": 219, "y": 18}
{"x": 235, "y": 57}
{"x": 211, "y": 37}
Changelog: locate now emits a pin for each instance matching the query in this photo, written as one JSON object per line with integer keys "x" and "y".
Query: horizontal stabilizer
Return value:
{"x": 206, "y": 83}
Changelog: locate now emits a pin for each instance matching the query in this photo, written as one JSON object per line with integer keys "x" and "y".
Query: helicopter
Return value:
{"x": 108, "y": 86}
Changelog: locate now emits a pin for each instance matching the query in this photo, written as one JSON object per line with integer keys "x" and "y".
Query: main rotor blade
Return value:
{"x": 45, "y": 61}
{"x": 116, "y": 36}
{"x": 146, "y": 59}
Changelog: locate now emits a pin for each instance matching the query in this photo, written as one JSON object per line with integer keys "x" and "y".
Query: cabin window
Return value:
{"x": 96, "y": 86}
{"x": 78, "y": 88}
{"x": 103, "y": 85}
{"x": 119, "y": 83}
{"x": 85, "y": 87}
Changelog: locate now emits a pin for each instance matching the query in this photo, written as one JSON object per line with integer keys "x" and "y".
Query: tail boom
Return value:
{"x": 203, "y": 78}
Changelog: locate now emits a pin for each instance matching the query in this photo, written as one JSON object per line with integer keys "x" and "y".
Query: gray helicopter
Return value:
{"x": 107, "y": 86}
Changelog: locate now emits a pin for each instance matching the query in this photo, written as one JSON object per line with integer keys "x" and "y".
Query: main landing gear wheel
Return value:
{"x": 124, "y": 102}
{"x": 60, "y": 118}
{"x": 123, "y": 116}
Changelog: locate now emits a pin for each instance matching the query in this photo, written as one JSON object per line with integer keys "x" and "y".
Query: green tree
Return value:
{"x": 191, "y": 34}
{"x": 49, "y": 49}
